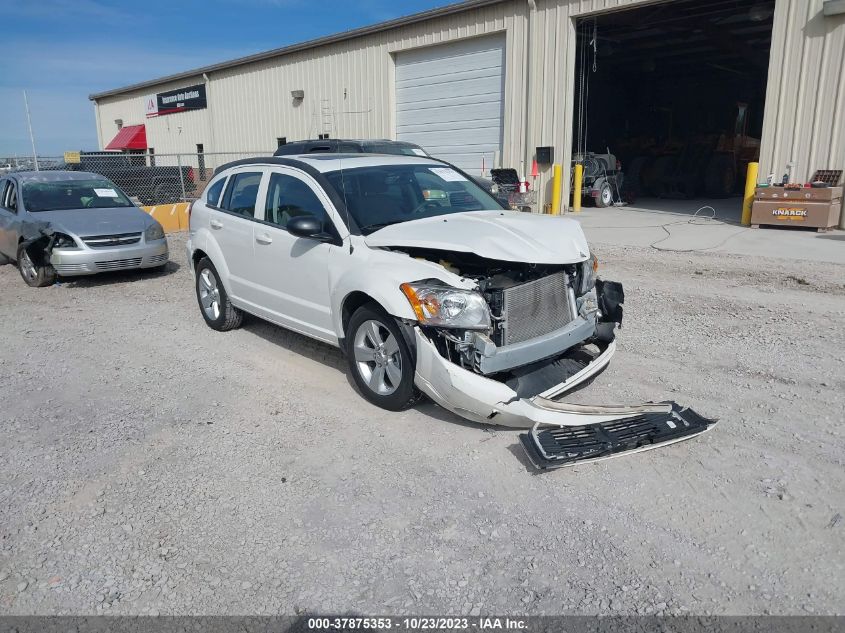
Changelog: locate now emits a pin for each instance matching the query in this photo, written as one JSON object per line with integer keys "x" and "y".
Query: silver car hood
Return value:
{"x": 83, "y": 222}
{"x": 503, "y": 235}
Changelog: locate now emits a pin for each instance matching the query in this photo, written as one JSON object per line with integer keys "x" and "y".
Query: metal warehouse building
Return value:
{"x": 487, "y": 82}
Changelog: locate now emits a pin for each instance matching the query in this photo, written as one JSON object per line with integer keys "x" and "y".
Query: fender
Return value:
{"x": 379, "y": 275}
{"x": 204, "y": 241}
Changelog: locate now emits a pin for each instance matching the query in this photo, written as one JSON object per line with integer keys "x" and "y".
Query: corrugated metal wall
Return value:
{"x": 249, "y": 106}
{"x": 805, "y": 99}
{"x": 348, "y": 90}
{"x": 166, "y": 134}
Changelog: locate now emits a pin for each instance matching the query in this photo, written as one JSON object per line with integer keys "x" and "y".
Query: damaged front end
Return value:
{"x": 550, "y": 329}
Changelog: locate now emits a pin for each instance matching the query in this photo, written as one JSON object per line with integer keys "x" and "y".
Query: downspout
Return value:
{"x": 529, "y": 92}
{"x": 211, "y": 127}
{"x": 99, "y": 129}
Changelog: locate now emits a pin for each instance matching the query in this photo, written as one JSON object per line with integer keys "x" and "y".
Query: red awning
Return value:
{"x": 130, "y": 137}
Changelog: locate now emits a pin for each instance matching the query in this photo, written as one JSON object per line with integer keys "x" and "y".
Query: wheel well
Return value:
{"x": 353, "y": 301}
{"x": 197, "y": 256}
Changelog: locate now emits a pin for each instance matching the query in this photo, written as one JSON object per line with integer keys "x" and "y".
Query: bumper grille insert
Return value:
{"x": 116, "y": 264}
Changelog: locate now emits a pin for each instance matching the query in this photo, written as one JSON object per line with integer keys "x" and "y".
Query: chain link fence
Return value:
{"x": 148, "y": 178}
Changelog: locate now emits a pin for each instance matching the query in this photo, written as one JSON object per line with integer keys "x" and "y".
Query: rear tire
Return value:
{"x": 35, "y": 275}
{"x": 605, "y": 197}
{"x": 214, "y": 303}
{"x": 379, "y": 359}
{"x": 720, "y": 176}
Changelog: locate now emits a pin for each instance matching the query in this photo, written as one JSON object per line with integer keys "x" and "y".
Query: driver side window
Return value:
{"x": 288, "y": 197}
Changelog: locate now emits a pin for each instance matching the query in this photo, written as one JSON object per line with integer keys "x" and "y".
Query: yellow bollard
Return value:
{"x": 576, "y": 188}
{"x": 750, "y": 187}
{"x": 557, "y": 182}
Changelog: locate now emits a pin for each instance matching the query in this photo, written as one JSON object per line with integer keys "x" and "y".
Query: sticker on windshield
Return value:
{"x": 449, "y": 175}
{"x": 418, "y": 151}
{"x": 105, "y": 193}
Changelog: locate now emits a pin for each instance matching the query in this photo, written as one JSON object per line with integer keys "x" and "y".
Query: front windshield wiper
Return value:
{"x": 371, "y": 228}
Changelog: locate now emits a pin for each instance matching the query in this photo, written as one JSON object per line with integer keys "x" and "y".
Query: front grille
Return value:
{"x": 119, "y": 263}
{"x": 105, "y": 241}
{"x": 535, "y": 308}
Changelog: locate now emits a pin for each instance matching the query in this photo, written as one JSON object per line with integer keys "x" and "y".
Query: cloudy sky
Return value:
{"x": 60, "y": 51}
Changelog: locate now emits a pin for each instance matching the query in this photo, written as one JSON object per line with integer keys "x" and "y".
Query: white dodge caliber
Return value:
{"x": 428, "y": 286}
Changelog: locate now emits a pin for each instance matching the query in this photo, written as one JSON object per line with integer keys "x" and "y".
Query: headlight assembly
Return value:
{"x": 154, "y": 232}
{"x": 444, "y": 306}
{"x": 589, "y": 269}
{"x": 60, "y": 240}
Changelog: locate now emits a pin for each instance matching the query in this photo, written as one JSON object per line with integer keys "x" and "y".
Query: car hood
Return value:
{"x": 504, "y": 235}
{"x": 85, "y": 222}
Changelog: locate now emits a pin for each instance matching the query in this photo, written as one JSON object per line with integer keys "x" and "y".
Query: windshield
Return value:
{"x": 389, "y": 194}
{"x": 60, "y": 195}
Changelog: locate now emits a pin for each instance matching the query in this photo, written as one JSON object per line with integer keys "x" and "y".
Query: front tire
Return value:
{"x": 35, "y": 275}
{"x": 215, "y": 306}
{"x": 380, "y": 361}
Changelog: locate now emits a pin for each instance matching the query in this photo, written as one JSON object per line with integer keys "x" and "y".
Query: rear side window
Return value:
{"x": 288, "y": 197}
{"x": 242, "y": 193}
{"x": 212, "y": 194}
{"x": 10, "y": 197}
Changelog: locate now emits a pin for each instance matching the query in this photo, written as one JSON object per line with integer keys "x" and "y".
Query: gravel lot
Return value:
{"x": 152, "y": 465}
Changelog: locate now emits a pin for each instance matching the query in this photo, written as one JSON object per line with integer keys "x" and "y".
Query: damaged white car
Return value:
{"x": 428, "y": 286}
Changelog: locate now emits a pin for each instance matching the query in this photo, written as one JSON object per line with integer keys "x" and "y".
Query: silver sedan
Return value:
{"x": 72, "y": 223}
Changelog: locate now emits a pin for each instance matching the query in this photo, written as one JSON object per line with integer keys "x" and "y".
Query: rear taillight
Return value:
{"x": 191, "y": 174}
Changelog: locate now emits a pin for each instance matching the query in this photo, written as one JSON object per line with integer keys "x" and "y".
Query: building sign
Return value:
{"x": 72, "y": 158}
{"x": 181, "y": 100}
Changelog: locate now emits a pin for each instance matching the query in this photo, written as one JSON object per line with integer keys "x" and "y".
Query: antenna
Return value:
{"x": 346, "y": 206}
{"x": 31, "y": 136}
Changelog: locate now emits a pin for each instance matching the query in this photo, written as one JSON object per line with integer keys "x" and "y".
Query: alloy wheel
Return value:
{"x": 27, "y": 267}
{"x": 377, "y": 357}
{"x": 209, "y": 294}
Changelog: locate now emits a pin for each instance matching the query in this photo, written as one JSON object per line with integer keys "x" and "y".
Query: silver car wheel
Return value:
{"x": 27, "y": 267}
{"x": 606, "y": 196}
{"x": 209, "y": 294}
{"x": 377, "y": 358}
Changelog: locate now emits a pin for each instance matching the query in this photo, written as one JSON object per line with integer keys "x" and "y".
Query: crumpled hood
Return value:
{"x": 510, "y": 236}
{"x": 84, "y": 222}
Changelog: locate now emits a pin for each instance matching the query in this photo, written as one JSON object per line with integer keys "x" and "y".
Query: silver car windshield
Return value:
{"x": 389, "y": 194}
{"x": 61, "y": 195}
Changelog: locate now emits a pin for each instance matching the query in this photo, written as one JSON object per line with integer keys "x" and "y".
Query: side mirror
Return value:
{"x": 307, "y": 226}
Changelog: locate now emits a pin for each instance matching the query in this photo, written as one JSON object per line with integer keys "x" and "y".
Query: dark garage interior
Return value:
{"x": 672, "y": 94}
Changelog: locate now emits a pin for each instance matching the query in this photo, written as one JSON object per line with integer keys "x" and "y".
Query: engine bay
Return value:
{"x": 536, "y": 313}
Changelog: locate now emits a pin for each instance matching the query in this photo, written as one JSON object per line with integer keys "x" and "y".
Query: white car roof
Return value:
{"x": 333, "y": 162}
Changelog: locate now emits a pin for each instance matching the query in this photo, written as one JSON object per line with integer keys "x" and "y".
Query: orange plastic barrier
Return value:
{"x": 172, "y": 217}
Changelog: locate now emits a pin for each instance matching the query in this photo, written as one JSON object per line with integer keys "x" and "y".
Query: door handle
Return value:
{"x": 216, "y": 224}
{"x": 264, "y": 239}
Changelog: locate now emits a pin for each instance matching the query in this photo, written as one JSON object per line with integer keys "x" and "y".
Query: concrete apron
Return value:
{"x": 682, "y": 231}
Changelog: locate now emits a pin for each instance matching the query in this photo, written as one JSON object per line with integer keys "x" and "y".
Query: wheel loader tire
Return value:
{"x": 720, "y": 177}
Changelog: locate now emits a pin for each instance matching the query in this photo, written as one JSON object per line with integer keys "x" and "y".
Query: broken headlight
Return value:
{"x": 588, "y": 275}
{"x": 154, "y": 232}
{"x": 444, "y": 306}
{"x": 60, "y": 240}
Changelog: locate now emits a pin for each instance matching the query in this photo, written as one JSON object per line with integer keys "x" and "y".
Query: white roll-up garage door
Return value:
{"x": 449, "y": 100}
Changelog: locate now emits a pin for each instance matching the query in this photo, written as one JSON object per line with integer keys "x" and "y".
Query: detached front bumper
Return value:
{"x": 588, "y": 432}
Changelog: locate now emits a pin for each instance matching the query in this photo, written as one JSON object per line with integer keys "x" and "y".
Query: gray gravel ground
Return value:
{"x": 152, "y": 465}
